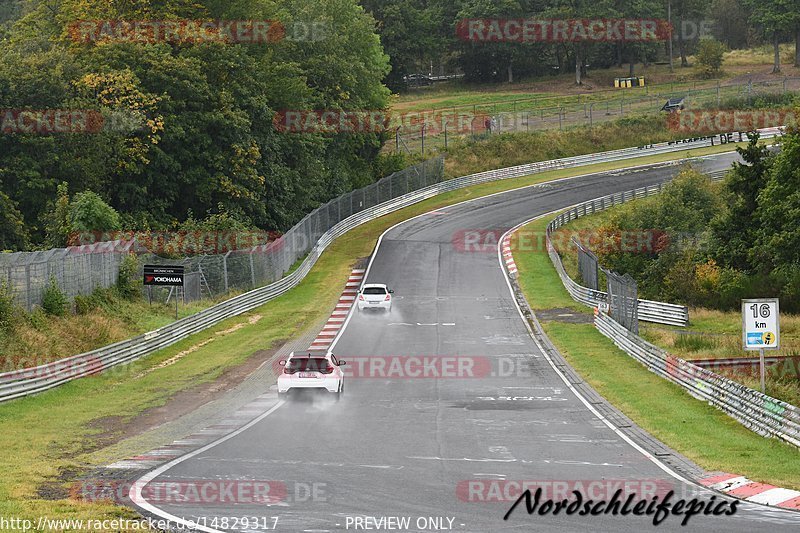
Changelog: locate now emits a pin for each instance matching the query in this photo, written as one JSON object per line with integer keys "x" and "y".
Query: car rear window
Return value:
{"x": 374, "y": 290}
{"x": 308, "y": 364}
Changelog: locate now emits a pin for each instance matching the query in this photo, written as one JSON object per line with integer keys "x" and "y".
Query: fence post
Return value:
{"x": 28, "y": 286}
{"x": 252, "y": 270}
{"x": 423, "y": 139}
{"x": 225, "y": 270}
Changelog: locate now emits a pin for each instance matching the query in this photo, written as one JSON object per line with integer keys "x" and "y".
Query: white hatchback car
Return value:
{"x": 375, "y": 296}
{"x": 311, "y": 370}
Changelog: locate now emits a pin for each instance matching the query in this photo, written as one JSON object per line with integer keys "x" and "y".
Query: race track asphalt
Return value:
{"x": 405, "y": 443}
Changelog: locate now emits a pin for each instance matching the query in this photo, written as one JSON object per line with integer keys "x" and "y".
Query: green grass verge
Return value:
{"x": 47, "y": 436}
{"x": 702, "y": 433}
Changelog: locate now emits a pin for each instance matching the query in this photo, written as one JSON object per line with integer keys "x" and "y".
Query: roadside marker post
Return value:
{"x": 761, "y": 329}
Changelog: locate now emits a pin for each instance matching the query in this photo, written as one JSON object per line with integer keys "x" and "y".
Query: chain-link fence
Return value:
{"x": 77, "y": 270}
{"x": 438, "y": 129}
{"x": 82, "y": 269}
{"x": 623, "y": 299}
{"x": 588, "y": 266}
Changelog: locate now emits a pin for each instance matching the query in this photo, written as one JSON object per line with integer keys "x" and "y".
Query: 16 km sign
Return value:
{"x": 760, "y": 324}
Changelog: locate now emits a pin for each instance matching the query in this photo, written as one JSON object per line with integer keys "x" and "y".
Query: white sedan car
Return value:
{"x": 375, "y": 296}
{"x": 311, "y": 370}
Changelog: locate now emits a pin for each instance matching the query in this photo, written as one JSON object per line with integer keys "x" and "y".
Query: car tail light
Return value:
{"x": 388, "y": 297}
{"x": 361, "y": 297}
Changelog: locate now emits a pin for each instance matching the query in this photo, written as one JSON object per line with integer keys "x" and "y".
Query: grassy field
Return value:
{"x": 51, "y": 437}
{"x": 700, "y": 432}
{"x": 38, "y": 338}
{"x": 558, "y": 90}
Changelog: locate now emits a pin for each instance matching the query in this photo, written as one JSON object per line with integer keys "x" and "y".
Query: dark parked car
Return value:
{"x": 673, "y": 105}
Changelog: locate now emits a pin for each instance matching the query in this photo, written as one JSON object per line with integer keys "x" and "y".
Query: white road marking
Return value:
{"x": 774, "y": 496}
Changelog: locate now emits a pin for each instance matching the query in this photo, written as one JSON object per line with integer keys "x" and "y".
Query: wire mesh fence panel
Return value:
{"x": 623, "y": 299}
{"x": 588, "y": 266}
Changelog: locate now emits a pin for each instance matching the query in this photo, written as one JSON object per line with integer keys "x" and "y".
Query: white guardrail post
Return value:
{"x": 27, "y": 381}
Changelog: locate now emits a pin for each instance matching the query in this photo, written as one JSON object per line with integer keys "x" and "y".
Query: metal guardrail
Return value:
{"x": 763, "y": 414}
{"x": 27, "y": 381}
{"x": 649, "y": 310}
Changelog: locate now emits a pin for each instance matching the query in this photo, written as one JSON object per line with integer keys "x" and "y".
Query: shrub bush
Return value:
{"x": 709, "y": 57}
{"x": 7, "y": 308}
{"x": 128, "y": 282}
{"x": 85, "y": 304}
{"x": 54, "y": 301}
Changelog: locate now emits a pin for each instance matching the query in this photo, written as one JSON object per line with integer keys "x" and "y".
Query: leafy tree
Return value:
{"x": 484, "y": 61}
{"x": 88, "y": 212}
{"x": 13, "y": 233}
{"x": 408, "y": 32}
{"x": 735, "y": 231}
{"x": 56, "y": 220}
{"x": 189, "y": 125}
{"x": 776, "y": 17}
{"x": 683, "y": 12}
{"x": 777, "y": 240}
{"x": 730, "y": 22}
{"x": 709, "y": 57}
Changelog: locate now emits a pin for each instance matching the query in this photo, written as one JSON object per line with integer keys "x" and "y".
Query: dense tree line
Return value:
{"x": 420, "y": 34}
{"x": 719, "y": 243}
{"x": 190, "y": 122}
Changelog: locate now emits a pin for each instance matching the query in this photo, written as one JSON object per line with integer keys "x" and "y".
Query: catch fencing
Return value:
{"x": 623, "y": 300}
{"x": 19, "y": 383}
{"x": 647, "y": 310}
{"x": 588, "y": 266}
{"x": 79, "y": 270}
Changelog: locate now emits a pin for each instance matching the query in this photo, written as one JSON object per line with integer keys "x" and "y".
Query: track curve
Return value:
{"x": 416, "y": 446}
